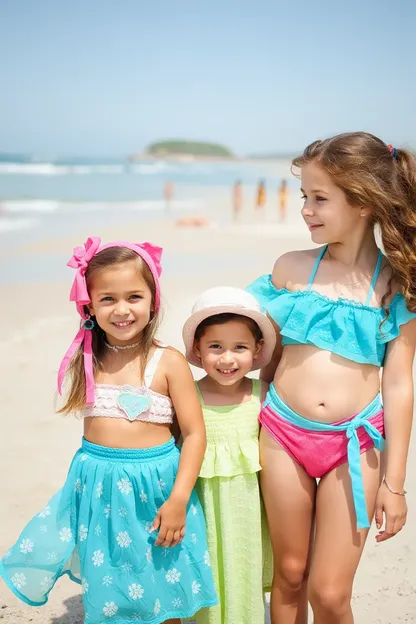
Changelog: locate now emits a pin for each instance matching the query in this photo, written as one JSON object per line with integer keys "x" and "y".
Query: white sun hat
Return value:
{"x": 223, "y": 300}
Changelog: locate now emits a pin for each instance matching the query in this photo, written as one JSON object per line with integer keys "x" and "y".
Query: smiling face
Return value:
{"x": 121, "y": 301}
{"x": 227, "y": 350}
{"x": 328, "y": 215}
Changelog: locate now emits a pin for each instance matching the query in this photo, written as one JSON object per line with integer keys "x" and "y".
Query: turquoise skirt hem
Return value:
{"x": 97, "y": 529}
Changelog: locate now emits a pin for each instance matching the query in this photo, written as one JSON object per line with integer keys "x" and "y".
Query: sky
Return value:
{"x": 107, "y": 77}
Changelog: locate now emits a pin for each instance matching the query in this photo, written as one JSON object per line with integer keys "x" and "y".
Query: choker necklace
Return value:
{"x": 121, "y": 348}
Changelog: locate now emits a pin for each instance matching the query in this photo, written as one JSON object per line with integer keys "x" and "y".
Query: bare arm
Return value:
{"x": 171, "y": 517}
{"x": 279, "y": 280}
{"x": 191, "y": 424}
{"x": 264, "y": 390}
{"x": 267, "y": 373}
{"x": 397, "y": 390}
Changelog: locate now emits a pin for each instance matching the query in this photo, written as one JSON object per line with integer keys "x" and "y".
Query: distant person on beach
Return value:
{"x": 283, "y": 200}
{"x": 261, "y": 197}
{"x": 229, "y": 336}
{"x": 237, "y": 200}
{"x": 168, "y": 195}
{"x": 127, "y": 524}
{"x": 341, "y": 383}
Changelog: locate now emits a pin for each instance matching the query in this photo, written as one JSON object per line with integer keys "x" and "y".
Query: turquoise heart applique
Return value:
{"x": 133, "y": 405}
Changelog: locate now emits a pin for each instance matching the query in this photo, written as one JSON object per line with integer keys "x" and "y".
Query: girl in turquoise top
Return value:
{"x": 228, "y": 336}
{"x": 341, "y": 312}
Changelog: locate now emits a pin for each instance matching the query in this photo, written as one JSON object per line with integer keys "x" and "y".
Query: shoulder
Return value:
{"x": 176, "y": 370}
{"x": 171, "y": 357}
{"x": 293, "y": 267}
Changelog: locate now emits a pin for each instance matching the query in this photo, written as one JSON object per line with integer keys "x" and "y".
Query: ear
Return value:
{"x": 197, "y": 349}
{"x": 259, "y": 347}
{"x": 90, "y": 309}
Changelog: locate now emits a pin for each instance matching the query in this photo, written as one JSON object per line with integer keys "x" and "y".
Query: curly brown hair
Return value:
{"x": 376, "y": 176}
{"x": 108, "y": 257}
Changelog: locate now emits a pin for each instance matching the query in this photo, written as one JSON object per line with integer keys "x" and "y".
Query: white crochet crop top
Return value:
{"x": 135, "y": 403}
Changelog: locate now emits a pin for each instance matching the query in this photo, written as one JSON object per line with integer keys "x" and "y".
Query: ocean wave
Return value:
{"x": 96, "y": 169}
{"x": 50, "y": 169}
{"x": 32, "y": 205}
{"x": 31, "y": 169}
{"x": 159, "y": 166}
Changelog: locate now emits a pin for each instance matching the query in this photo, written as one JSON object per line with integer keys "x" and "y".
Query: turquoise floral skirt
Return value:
{"x": 97, "y": 529}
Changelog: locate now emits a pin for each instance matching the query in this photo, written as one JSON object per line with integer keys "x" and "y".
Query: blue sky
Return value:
{"x": 107, "y": 77}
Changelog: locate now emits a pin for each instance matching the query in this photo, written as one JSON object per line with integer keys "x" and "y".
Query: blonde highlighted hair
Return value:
{"x": 76, "y": 397}
{"x": 375, "y": 176}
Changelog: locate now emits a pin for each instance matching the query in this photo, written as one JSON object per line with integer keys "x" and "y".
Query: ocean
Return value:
{"x": 40, "y": 199}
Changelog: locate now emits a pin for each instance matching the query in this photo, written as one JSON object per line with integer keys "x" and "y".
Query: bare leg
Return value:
{"x": 338, "y": 543}
{"x": 289, "y": 495}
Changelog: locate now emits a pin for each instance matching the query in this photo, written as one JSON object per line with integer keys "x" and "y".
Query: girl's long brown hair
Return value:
{"x": 383, "y": 179}
{"x": 76, "y": 399}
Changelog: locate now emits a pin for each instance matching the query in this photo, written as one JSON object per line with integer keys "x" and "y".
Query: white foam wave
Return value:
{"x": 96, "y": 169}
{"x": 152, "y": 168}
{"x": 31, "y": 169}
{"x": 32, "y": 205}
{"x": 59, "y": 170}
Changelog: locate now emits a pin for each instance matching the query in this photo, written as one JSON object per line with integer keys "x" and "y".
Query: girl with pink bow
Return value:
{"x": 127, "y": 524}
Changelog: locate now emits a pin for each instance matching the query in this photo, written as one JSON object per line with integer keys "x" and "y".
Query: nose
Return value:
{"x": 307, "y": 210}
{"x": 227, "y": 357}
{"x": 121, "y": 308}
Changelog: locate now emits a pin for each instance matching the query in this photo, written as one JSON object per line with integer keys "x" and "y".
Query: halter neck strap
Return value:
{"x": 315, "y": 266}
{"x": 375, "y": 277}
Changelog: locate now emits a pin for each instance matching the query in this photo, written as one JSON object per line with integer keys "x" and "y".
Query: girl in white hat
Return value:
{"x": 228, "y": 336}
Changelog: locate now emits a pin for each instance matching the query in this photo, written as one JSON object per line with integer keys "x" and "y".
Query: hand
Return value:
{"x": 394, "y": 508}
{"x": 170, "y": 520}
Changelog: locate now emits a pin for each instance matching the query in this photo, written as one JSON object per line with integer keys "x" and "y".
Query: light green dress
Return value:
{"x": 228, "y": 488}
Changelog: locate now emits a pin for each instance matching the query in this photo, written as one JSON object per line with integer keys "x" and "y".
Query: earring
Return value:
{"x": 88, "y": 323}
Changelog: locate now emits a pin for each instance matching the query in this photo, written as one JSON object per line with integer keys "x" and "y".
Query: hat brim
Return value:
{"x": 265, "y": 325}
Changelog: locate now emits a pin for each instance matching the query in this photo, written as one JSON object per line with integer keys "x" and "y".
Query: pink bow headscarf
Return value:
{"x": 82, "y": 255}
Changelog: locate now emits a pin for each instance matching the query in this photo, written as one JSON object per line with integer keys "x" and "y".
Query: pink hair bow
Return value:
{"x": 79, "y": 261}
{"x": 155, "y": 253}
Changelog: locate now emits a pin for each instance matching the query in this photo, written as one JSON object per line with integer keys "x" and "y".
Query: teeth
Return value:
{"x": 225, "y": 372}
{"x": 123, "y": 324}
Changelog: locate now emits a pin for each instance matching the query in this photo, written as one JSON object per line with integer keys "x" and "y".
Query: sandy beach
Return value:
{"x": 36, "y": 445}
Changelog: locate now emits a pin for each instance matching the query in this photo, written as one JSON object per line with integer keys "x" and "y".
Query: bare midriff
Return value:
{"x": 322, "y": 386}
{"x": 121, "y": 433}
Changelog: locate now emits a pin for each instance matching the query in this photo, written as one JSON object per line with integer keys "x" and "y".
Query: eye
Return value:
{"x": 320, "y": 198}
{"x": 241, "y": 347}
{"x": 108, "y": 298}
{"x": 135, "y": 297}
{"x": 215, "y": 346}
{"x": 303, "y": 197}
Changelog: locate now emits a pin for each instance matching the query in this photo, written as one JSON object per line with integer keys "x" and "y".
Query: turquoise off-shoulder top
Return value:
{"x": 343, "y": 326}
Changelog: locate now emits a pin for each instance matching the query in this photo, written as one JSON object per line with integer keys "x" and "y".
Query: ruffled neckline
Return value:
{"x": 339, "y": 301}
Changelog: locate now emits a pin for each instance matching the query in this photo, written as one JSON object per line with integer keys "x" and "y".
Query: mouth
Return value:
{"x": 122, "y": 324}
{"x": 227, "y": 372}
{"x": 314, "y": 226}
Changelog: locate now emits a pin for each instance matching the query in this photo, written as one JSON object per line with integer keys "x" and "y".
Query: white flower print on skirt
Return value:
{"x": 96, "y": 530}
